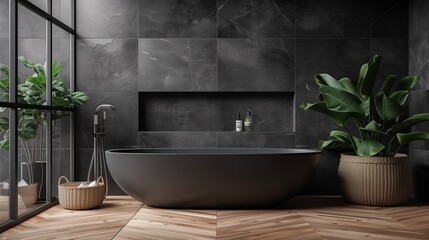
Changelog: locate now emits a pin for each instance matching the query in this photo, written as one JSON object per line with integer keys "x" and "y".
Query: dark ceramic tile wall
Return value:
{"x": 256, "y": 19}
{"x": 419, "y": 42}
{"x": 261, "y": 64}
{"x": 177, "y": 64}
{"x": 226, "y": 46}
{"x": 177, "y": 19}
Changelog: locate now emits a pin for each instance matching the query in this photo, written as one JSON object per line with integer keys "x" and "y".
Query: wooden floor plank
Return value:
{"x": 302, "y": 218}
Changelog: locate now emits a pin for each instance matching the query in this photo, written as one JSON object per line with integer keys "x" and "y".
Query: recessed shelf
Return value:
{"x": 214, "y": 111}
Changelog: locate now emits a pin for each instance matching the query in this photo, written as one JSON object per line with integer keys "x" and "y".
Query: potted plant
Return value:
{"x": 32, "y": 122}
{"x": 374, "y": 127}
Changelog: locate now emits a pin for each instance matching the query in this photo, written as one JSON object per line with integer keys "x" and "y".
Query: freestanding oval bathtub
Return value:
{"x": 212, "y": 178}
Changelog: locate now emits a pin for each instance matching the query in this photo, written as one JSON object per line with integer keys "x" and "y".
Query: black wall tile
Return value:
{"x": 394, "y": 60}
{"x": 388, "y": 19}
{"x": 121, "y": 125}
{"x": 252, "y": 19}
{"x": 107, "y": 18}
{"x": 419, "y": 104}
{"x": 256, "y": 140}
{"x": 107, "y": 65}
{"x": 177, "y": 65}
{"x": 256, "y": 64}
{"x": 177, "y": 19}
{"x": 177, "y": 139}
{"x": 332, "y": 19}
{"x": 419, "y": 42}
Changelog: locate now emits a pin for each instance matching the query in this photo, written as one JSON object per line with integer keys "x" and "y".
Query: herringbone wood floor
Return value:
{"x": 301, "y": 218}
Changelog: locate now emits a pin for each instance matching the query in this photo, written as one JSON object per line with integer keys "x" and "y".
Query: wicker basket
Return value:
{"x": 27, "y": 193}
{"x": 74, "y": 198}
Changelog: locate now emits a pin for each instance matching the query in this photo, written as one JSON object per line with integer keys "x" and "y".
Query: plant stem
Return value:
{"x": 389, "y": 146}
{"x": 351, "y": 138}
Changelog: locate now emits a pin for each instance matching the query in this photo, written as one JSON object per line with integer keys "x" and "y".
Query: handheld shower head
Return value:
{"x": 103, "y": 107}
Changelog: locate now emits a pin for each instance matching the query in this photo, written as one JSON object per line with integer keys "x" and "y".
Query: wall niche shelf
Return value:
{"x": 214, "y": 111}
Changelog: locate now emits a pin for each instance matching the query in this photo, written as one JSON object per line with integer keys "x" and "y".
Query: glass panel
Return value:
{"x": 40, "y": 4}
{"x": 60, "y": 147}
{"x": 32, "y": 52}
{"x": 4, "y": 165}
{"x": 62, "y": 10}
{"x": 4, "y": 50}
{"x": 31, "y": 159}
{"x": 60, "y": 67}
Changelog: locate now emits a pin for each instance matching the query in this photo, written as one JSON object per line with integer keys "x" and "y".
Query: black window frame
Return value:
{"x": 14, "y": 106}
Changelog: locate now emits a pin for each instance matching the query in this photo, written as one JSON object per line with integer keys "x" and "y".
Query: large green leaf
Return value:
{"x": 407, "y": 83}
{"x": 366, "y": 107}
{"x": 341, "y": 136}
{"x": 368, "y": 75}
{"x": 404, "y": 138}
{"x": 338, "y": 118}
{"x": 373, "y": 126}
{"x": 327, "y": 144}
{"x": 340, "y": 101}
{"x": 328, "y": 80}
{"x": 387, "y": 108}
{"x": 387, "y": 85}
{"x": 349, "y": 85}
{"x": 405, "y": 125}
{"x": 401, "y": 96}
{"x": 368, "y": 148}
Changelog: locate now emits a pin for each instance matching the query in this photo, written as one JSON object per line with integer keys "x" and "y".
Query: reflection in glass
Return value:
{"x": 4, "y": 165}
{"x": 60, "y": 147}
{"x": 61, "y": 67}
{"x": 62, "y": 10}
{"x": 31, "y": 158}
{"x": 32, "y": 57}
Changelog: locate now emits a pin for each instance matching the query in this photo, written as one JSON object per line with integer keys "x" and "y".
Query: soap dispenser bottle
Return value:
{"x": 248, "y": 122}
{"x": 238, "y": 124}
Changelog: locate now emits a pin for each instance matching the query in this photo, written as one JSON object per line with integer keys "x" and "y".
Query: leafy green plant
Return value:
{"x": 32, "y": 122}
{"x": 372, "y": 118}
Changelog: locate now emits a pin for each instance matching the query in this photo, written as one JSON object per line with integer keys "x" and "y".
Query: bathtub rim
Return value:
{"x": 240, "y": 151}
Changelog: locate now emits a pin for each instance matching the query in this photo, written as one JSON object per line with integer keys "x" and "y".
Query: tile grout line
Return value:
{"x": 120, "y": 230}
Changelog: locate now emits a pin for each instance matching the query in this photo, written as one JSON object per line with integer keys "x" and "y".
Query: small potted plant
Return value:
{"x": 374, "y": 127}
{"x": 32, "y": 122}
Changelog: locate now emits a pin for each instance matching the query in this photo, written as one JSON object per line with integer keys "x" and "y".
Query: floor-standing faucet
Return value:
{"x": 98, "y": 161}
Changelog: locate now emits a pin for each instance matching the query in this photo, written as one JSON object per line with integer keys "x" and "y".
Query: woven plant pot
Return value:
{"x": 375, "y": 181}
{"x": 74, "y": 198}
{"x": 28, "y": 194}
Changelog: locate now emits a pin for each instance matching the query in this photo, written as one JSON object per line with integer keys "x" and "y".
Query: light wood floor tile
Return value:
{"x": 302, "y": 218}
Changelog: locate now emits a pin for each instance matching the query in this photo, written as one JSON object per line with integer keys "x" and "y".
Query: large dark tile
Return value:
{"x": 121, "y": 125}
{"x": 214, "y": 111}
{"x": 394, "y": 54}
{"x": 256, "y": 140}
{"x": 177, "y": 139}
{"x": 107, "y": 65}
{"x": 256, "y": 64}
{"x": 310, "y": 126}
{"x": 177, "y": 65}
{"x": 389, "y": 19}
{"x": 177, "y": 19}
{"x": 420, "y": 167}
{"x": 60, "y": 167}
{"x": 419, "y": 42}
{"x": 4, "y": 18}
{"x": 339, "y": 58}
{"x": 107, "y": 18}
{"x": 418, "y": 104}
{"x": 332, "y": 19}
{"x": 243, "y": 18}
